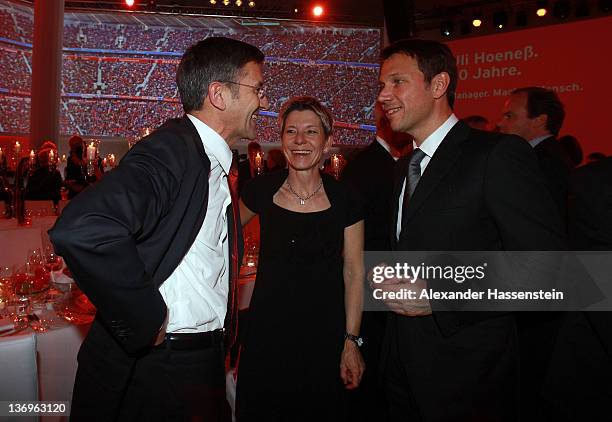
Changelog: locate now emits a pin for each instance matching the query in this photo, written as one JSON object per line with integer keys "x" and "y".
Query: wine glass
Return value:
{"x": 6, "y": 288}
{"x": 52, "y": 262}
{"x": 37, "y": 274}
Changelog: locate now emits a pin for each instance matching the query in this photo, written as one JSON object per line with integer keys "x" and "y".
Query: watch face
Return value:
{"x": 359, "y": 341}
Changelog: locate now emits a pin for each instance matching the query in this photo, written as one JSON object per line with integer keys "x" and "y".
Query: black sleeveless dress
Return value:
{"x": 290, "y": 360}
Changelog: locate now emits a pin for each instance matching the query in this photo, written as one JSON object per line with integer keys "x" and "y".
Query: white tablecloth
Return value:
{"x": 16, "y": 240}
{"x": 56, "y": 349}
{"x": 56, "y": 359}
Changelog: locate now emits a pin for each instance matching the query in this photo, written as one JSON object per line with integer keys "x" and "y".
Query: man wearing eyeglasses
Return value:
{"x": 155, "y": 247}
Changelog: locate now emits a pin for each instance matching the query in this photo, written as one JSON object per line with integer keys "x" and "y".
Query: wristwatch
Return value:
{"x": 355, "y": 339}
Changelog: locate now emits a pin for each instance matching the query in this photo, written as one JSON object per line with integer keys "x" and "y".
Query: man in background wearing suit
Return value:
{"x": 155, "y": 247}
{"x": 371, "y": 173}
{"x": 460, "y": 190}
{"x": 536, "y": 115}
{"x": 578, "y": 386}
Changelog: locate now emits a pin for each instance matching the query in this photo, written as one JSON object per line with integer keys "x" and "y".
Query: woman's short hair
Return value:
{"x": 307, "y": 103}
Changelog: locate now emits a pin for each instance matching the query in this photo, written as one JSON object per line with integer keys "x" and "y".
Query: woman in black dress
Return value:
{"x": 300, "y": 351}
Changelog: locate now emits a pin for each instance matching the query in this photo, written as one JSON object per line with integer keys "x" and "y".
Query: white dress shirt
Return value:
{"x": 196, "y": 292}
{"x": 429, "y": 147}
{"x": 535, "y": 141}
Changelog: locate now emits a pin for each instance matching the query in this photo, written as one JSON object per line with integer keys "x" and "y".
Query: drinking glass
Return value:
{"x": 7, "y": 289}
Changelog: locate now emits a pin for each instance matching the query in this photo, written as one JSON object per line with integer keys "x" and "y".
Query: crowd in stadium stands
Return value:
{"x": 123, "y": 78}
{"x": 25, "y": 27}
{"x": 7, "y": 28}
{"x": 117, "y": 117}
{"x": 181, "y": 38}
{"x": 357, "y": 45}
{"x": 14, "y": 114}
{"x": 79, "y": 75}
{"x": 138, "y": 38}
{"x": 348, "y": 90}
{"x": 162, "y": 83}
{"x": 14, "y": 70}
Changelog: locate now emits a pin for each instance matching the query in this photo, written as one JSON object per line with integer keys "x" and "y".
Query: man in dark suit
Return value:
{"x": 460, "y": 190}
{"x": 536, "y": 114}
{"x": 371, "y": 173}
{"x": 155, "y": 246}
{"x": 590, "y": 210}
{"x": 578, "y": 386}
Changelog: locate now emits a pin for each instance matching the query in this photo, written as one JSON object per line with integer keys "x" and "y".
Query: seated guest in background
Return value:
{"x": 301, "y": 348}
{"x": 276, "y": 160}
{"x": 45, "y": 182}
{"x": 573, "y": 149}
{"x": 536, "y": 115}
{"x": 477, "y": 122}
{"x": 371, "y": 173}
{"x": 75, "y": 174}
{"x": 155, "y": 246}
{"x": 248, "y": 168}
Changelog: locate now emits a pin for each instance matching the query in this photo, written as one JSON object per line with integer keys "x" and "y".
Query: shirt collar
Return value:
{"x": 433, "y": 141}
{"x": 386, "y": 146}
{"x": 214, "y": 145}
{"x": 535, "y": 141}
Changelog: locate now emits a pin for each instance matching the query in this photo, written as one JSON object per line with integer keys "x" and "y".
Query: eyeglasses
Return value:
{"x": 261, "y": 91}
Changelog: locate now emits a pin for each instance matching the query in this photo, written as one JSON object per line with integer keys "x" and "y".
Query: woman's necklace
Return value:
{"x": 303, "y": 200}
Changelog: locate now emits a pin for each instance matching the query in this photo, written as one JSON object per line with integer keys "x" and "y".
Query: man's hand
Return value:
{"x": 410, "y": 304}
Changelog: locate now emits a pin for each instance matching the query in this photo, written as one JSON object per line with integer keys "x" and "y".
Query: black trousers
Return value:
{"x": 471, "y": 376}
{"x": 164, "y": 385}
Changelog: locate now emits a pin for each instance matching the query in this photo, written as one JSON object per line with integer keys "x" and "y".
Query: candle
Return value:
{"x": 1, "y": 155}
{"x": 51, "y": 157}
{"x": 17, "y": 148}
{"x": 32, "y": 157}
{"x": 91, "y": 151}
{"x": 63, "y": 157}
{"x": 335, "y": 162}
{"x": 111, "y": 160}
{"x": 104, "y": 162}
{"x": 258, "y": 160}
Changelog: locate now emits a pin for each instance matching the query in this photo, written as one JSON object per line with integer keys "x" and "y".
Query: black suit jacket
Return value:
{"x": 578, "y": 384}
{"x": 124, "y": 236}
{"x": 556, "y": 166}
{"x": 481, "y": 191}
{"x": 590, "y": 211}
{"x": 371, "y": 173}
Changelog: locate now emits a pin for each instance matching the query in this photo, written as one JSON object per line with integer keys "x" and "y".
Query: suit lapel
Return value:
{"x": 441, "y": 163}
{"x": 193, "y": 135}
{"x": 191, "y": 132}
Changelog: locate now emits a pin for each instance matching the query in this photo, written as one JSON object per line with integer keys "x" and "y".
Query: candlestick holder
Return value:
{"x": 91, "y": 169}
